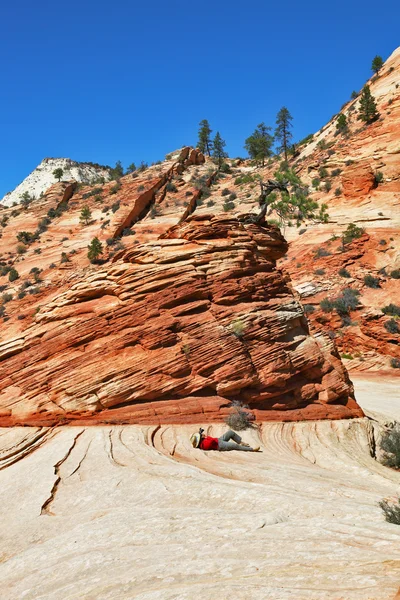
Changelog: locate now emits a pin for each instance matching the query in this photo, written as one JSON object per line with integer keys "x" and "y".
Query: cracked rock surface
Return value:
{"x": 135, "y": 512}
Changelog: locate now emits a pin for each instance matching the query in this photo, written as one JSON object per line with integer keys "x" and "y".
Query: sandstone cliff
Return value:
{"x": 187, "y": 313}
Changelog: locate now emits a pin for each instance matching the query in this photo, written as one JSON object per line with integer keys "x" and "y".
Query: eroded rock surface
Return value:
{"x": 172, "y": 331}
{"x": 136, "y": 512}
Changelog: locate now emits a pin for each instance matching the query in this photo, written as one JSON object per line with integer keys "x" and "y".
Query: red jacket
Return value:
{"x": 209, "y": 443}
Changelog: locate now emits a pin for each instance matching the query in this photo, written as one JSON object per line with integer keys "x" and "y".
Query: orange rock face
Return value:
{"x": 172, "y": 331}
{"x": 358, "y": 180}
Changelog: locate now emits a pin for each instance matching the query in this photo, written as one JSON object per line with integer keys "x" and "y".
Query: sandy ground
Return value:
{"x": 136, "y": 513}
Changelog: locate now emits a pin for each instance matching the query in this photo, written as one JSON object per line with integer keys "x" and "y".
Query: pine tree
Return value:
{"x": 377, "y": 64}
{"x": 218, "y": 149}
{"x": 204, "y": 144}
{"x": 287, "y": 197}
{"x": 131, "y": 168}
{"x": 367, "y": 111}
{"x": 86, "y": 215}
{"x": 341, "y": 124}
{"x": 58, "y": 173}
{"x": 259, "y": 143}
{"x": 95, "y": 248}
{"x": 282, "y": 131}
{"x": 118, "y": 171}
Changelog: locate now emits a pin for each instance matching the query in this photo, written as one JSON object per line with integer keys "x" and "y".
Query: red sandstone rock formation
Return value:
{"x": 358, "y": 180}
{"x": 172, "y": 331}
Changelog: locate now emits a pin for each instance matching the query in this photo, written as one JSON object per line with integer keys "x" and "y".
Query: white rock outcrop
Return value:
{"x": 42, "y": 177}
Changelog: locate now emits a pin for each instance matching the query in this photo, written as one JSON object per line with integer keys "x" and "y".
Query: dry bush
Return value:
{"x": 391, "y": 511}
{"x": 240, "y": 418}
{"x": 390, "y": 446}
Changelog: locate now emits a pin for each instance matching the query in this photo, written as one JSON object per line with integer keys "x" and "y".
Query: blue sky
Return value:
{"x": 130, "y": 81}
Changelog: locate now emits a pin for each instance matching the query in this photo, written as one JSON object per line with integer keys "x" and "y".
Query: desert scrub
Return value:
{"x": 352, "y": 232}
{"x": 372, "y": 282}
{"x": 395, "y": 363}
{"x": 344, "y": 273}
{"x": 171, "y": 187}
{"x": 308, "y": 309}
{"x": 228, "y": 206}
{"x": 392, "y": 310}
{"x": 390, "y": 446}
{"x": 320, "y": 252}
{"x": 239, "y": 418}
{"x": 391, "y": 510}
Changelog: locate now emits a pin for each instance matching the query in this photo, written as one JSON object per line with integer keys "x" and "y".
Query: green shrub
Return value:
{"x": 328, "y": 185}
{"x": 319, "y": 271}
{"x": 210, "y": 203}
{"x": 228, "y": 205}
{"x": 392, "y": 310}
{"x": 338, "y": 191}
{"x": 13, "y": 274}
{"x": 395, "y": 363}
{"x": 115, "y": 206}
{"x": 225, "y": 192}
{"x": 21, "y": 248}
{"x": 321, "y": 252}
{"x": 64, "y": 257}
{"x": 140, "y": 188}
{"x": 171, "y": 187}
{"x": 378, "y": 177}
{"x": 25, "y": 237}
{"x": 344, "y": 273}
{"x": 392, "y": 326}
{"x": 232, "y": 196}
{"x": 352, "y": 232}
{"x": 6, "y": 297}
{"x": 315, "y": 182}
{"x": 323, "y": 172}
{"x": 308, "y": 309}
{"x": 346, "y": 355}
{"x": 127, "y": 231}
{"x": 395, "y": 274}
{"x": 246, "y": 178}
{"x": 372, "y": 282}
{"x": 93, "y": 192}
{"x": 326, "y": 305}
{"x": 336, "y": 172}
{"x": 343, "y": 304}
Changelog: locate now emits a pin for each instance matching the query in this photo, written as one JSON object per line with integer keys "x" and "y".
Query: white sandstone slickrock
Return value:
{"x": 122, "y": 512}
{"x": 42, "y": 177}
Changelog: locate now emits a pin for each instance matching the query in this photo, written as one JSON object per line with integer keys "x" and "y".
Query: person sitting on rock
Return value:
{"x": 199, "y": 440}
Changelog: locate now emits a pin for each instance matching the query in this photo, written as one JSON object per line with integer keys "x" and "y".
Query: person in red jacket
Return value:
{"x": 205, "y": 442}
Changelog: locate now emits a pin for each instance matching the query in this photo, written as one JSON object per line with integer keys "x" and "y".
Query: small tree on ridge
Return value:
{"x": 86, "y": 215}
{"x": 95, "y": 249}
{"x": 58, "y": 173}
{"x": 218, "y": 149}
{"x": 367, "y": 111}
{"x": 282, "y": 131}
{"x": 377, "y": 64}
{"x": 204, "y": 144}
{"x": 259, "y": 143}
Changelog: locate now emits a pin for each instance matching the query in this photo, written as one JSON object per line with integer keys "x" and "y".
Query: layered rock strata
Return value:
{"x": 171, "y": 332}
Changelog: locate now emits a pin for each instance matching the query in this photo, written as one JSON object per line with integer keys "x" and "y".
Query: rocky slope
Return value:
{"x": 361, "y": 184}
{"x": 135, "y": 512}
{"x": 188, "y": 311}
{"x": 183, "y": 317}
{"x": 42, "y": 178}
